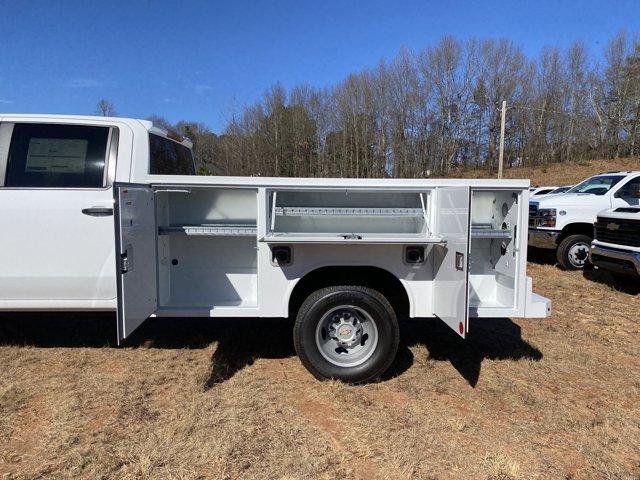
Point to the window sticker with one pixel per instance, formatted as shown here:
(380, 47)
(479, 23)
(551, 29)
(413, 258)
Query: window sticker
(56, 155)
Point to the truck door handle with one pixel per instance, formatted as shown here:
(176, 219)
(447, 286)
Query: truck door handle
(98, 211)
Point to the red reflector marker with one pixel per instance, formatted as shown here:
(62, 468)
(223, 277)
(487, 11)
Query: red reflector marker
(461, 328)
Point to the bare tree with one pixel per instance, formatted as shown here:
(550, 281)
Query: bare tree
(106, 108)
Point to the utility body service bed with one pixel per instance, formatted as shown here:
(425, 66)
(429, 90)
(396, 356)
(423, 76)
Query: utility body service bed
(149, 244)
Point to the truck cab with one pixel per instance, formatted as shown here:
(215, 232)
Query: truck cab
(564, 222)
(56, 190)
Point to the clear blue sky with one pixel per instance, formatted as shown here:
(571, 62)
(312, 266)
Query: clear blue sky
(201, 60)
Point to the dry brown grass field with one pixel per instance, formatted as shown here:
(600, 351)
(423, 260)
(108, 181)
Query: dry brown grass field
(556, 398)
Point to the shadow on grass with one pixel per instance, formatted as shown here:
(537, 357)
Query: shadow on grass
(541, 256)
(52, 330)
(625, 284)
(242, 340)
(239, 340)
(488, 338)
(622, 283)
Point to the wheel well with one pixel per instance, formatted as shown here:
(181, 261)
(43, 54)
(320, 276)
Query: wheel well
(373, 277)
(575, 229)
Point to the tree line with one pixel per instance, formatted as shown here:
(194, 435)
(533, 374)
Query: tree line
(430, 112)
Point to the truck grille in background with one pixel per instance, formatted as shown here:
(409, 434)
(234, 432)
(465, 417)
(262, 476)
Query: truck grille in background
(533, 214)
(620, 232)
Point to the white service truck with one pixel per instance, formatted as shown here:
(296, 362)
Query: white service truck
(564, 222)
(107, 214)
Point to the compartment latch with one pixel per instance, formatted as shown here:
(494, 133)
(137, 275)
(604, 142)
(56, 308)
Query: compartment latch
(125, 260)
(351, 236)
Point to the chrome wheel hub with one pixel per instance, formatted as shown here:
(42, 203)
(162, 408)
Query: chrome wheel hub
(346, 336)
(578, 254)
(345, 329)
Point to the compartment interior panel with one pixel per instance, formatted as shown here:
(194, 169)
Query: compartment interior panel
(337, 212)
(493, 258)
(208, 271)
(207, 206)
(207, 247)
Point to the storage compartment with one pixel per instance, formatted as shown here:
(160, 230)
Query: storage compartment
(349, 215)
(187, 250)
(207, 255)
(493, 257)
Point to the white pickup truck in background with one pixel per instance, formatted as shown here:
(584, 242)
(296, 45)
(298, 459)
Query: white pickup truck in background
(107, 214)
(616, 246)
(564, 222)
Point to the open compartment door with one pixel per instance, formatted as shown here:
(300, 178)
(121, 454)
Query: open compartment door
(451, 260)
(136, 257)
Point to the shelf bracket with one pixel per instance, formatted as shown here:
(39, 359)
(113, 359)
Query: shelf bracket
(424, 214)
(172, 190)
(273, 211)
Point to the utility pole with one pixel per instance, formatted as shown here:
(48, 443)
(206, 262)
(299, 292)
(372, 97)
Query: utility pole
(501, 154)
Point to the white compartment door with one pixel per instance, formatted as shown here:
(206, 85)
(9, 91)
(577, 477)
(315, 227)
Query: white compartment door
(451, 261)
(136, 257)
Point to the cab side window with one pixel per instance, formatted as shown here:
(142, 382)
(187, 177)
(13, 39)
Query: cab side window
(54, 156)
(630, 190)
(167, 157)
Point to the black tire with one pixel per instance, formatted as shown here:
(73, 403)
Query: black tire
(323, 301)
(573, 252)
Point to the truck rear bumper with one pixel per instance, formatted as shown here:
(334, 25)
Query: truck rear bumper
(536, 306)
(616, 260)
(543, 238)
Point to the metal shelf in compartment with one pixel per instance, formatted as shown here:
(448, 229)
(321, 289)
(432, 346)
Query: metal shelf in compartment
(226, 230)
(481, 231)
(346, 211)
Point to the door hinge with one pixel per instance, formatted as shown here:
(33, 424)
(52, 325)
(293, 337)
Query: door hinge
(124, 263)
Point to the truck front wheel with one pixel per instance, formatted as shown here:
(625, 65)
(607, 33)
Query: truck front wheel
(349, 333)
(573, 252)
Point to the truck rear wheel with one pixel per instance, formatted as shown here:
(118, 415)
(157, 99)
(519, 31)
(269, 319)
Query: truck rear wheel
(349, 333)
(573, 252)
